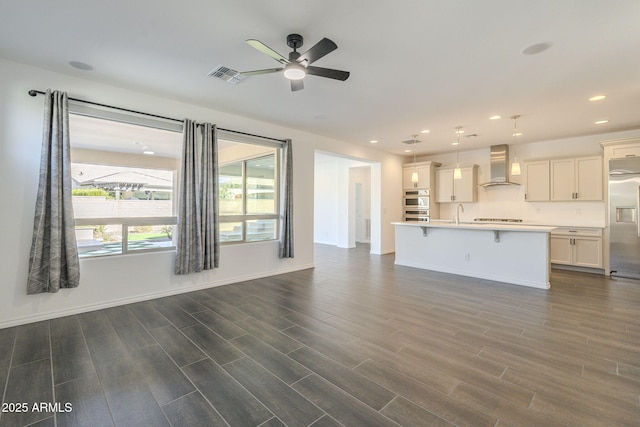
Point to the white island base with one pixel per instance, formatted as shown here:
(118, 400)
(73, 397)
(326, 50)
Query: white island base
(516, 254)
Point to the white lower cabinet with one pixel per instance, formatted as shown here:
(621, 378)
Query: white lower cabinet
(581, 247)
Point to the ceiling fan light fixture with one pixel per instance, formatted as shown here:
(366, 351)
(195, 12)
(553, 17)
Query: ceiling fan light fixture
(294, 72)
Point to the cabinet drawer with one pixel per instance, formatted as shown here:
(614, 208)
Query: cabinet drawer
(575, 231)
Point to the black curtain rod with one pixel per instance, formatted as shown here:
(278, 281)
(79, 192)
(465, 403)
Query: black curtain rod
(39, 92)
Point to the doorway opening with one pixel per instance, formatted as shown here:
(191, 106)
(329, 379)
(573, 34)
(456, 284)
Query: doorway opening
(346, 201)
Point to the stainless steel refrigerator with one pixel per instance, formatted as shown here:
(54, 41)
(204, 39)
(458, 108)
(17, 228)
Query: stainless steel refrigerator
(624, 224)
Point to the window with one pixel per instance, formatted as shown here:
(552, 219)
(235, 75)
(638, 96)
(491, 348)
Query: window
(124, 181)
(248, 188)
(125, 178)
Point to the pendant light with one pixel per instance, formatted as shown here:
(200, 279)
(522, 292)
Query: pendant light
(414, 175)
(457, 173)
(515, 166)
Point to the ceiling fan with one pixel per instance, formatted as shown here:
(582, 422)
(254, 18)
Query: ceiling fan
(298, 65)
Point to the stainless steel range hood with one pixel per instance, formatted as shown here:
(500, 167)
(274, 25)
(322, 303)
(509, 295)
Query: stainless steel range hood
(499, 166)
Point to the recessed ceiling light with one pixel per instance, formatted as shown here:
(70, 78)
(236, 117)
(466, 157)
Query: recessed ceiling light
(425, 131)
(454, 143)
(601, 122)
(407, 151)
(597, 98)
(536, 48)
(496, 117)
(517, 134)
(149, 153)
(459, 131)
(81, 66)
(374, 141)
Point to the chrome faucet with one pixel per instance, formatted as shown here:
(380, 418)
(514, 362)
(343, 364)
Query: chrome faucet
(458, 213)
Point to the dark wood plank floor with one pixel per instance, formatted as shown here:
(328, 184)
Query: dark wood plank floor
(355, 341)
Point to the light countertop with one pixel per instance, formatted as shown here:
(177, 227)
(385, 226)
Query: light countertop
(480, 226)
(564, 224)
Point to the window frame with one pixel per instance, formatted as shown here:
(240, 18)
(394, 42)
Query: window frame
(245, 217)
(126, 222)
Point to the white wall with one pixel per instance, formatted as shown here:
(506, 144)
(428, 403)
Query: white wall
(326, 195)
(122, 279)
(508, 201)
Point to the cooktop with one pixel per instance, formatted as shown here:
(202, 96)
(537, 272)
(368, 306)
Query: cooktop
(497, 220)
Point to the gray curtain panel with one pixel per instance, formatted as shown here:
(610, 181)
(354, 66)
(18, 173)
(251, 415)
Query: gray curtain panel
(53, 263)
(198, 246)
(286, 198)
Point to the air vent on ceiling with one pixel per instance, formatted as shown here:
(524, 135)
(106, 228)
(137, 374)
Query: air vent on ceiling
(227, 74)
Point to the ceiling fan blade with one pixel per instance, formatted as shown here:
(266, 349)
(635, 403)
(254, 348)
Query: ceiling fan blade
(256, 72)
(257, 44)
(318, 50)
(328, 72)
(296, 85)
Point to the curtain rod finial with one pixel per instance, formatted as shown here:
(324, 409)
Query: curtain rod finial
(33, 92)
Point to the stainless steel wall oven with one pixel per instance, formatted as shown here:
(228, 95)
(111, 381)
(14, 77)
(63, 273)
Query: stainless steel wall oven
(416, 205)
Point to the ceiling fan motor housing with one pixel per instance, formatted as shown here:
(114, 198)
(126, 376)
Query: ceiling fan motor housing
(294, 41)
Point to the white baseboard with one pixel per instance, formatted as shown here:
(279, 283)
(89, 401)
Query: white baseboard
(145, 297)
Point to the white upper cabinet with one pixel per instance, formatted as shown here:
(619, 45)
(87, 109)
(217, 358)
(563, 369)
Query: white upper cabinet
(425, 171)
(444, 179)
(464, 190)
(625, 150)
(537, 181)
(589, 178)
(562, 179)
(578, 179)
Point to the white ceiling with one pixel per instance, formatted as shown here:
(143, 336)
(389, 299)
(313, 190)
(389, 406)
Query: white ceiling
(415, 64)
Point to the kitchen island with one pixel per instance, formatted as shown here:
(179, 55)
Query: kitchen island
(516, 254)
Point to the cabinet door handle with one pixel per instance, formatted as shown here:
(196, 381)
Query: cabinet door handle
(525, 196)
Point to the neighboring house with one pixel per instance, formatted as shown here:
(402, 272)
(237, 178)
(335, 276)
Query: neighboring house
(125, 183)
